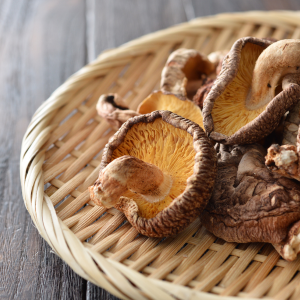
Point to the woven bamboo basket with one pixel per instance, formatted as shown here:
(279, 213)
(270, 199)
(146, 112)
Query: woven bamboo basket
(60, 158)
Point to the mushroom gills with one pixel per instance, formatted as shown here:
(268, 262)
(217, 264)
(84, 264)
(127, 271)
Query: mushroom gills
(160, 144)
(161, 101)
(231, 105)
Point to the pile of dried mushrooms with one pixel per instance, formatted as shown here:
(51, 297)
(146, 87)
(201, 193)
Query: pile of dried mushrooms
(219, 141)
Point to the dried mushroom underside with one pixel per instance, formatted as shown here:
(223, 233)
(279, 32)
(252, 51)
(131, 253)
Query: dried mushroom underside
(118, 115)
(185, 71)
(251, 204)
(248, 100)
(159, 169)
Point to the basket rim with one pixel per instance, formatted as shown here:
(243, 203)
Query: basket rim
(60, 238)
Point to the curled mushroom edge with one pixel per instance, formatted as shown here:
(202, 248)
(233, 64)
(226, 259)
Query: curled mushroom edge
(161, 191)
(246, 102)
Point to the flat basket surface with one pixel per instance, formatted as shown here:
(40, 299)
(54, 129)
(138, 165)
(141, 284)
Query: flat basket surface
(60, 158)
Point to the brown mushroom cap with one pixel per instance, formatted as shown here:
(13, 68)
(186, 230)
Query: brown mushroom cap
(180, 149)
(184, 72)
(242, 106)
(249, 203)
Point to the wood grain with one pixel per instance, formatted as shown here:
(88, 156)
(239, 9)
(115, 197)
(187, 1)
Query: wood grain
(42, 43)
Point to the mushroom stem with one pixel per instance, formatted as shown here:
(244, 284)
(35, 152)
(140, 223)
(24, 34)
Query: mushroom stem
(130, 173)
(276, 61)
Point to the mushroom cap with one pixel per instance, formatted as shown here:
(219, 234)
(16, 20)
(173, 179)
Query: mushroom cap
(249, 203)
(180, 148)
(242, 106)
(167, 101)
(185, 66)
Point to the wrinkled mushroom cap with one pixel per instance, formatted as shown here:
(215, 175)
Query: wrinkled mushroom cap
(249, 203)
(180, 149)
(185, 71)
(243, 106)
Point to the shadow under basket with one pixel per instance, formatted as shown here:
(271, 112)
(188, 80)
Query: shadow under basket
(60, 158)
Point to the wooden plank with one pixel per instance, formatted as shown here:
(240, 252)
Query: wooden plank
(117, 21)
(42, 43)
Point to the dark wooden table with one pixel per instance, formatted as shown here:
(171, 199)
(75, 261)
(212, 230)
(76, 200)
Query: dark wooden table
(42, 42)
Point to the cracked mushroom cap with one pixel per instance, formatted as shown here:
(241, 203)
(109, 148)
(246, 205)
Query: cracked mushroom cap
(159, 169)
(249, 203)
(246, 102)
(185, 71)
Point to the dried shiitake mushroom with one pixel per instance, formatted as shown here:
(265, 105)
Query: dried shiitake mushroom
(246, 102)
(284, 159)
(251, 204)
(155, 101)
(186, 70)
(202, 92)
(159, 169)
(114, 110)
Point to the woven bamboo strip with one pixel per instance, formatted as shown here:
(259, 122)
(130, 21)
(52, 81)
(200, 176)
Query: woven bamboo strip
(240, 281)
(109, 227)
(285, 276)
(128, 249)
(70, 222)
(89, 218)
(125, 239)
(68, 146)
(146, 247)
(214, 277)
(194, 270)
(176, 244)
(87, 232)
(262, 288)
(218, 260)
(110, 240)
(263, 270)
(287, 291)
(196, 253)
(242, 263)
